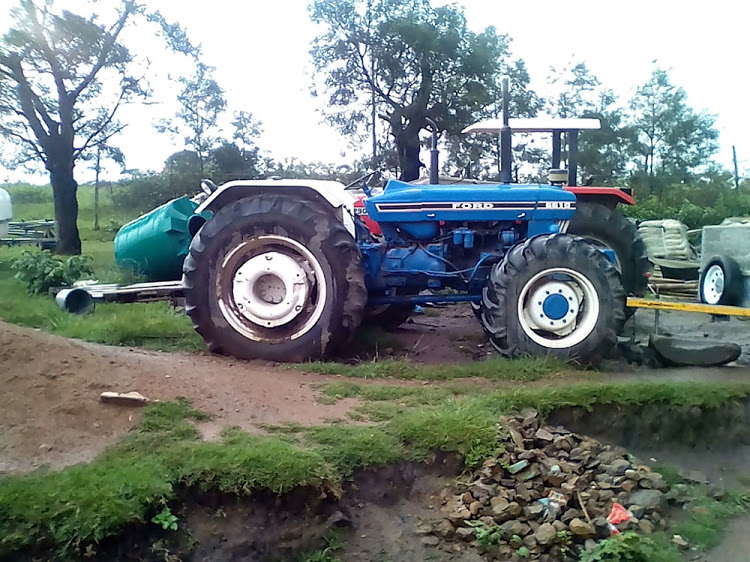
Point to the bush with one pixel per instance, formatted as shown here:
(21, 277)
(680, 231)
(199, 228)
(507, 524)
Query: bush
(29, 194)
(144, 192)
(41, 270)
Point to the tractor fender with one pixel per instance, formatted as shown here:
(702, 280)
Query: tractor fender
(607, 196)
(330, 196)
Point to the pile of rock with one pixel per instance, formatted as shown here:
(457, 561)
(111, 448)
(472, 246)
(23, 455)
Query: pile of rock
(547, 495)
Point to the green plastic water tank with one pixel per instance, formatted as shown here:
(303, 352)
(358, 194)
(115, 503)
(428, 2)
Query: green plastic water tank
(156, 244)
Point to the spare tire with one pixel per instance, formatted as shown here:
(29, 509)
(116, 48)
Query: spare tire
(608, 228)
(721, 282)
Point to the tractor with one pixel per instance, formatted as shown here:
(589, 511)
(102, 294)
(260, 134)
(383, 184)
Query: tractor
(285, 270)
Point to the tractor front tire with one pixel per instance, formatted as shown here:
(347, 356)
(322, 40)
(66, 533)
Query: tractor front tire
(270, 277)
(554, 295)
(608, 228)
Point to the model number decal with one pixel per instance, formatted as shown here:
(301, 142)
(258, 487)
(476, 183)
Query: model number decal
(360, 211)
(559, 205)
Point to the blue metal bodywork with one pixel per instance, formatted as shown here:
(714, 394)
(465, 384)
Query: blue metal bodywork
(438, 236)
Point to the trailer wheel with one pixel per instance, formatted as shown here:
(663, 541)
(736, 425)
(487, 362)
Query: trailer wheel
(608, 228)
(554, 295)
(721, 282)
(272, 278)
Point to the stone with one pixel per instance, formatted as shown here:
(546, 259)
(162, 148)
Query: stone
(339, 519)
(637, 510)
(544, 435)
(514, 509)
(607, 457)
(700, 353)
(475, 507)
(679, 541)
(515, 527)
(545, 534)
(589, 544)
(465, 533)
(528, 474)
(430, 541)
(693, 476)
(582, 529)
(645, 526)
(649, 499)
(570, 514)
(563, 443)
(518, 467)
(631, 474)
(618, 467)
(606, 495)
(533, 511)
(529, 541)
(124, 399)
(628, 485)
(559, 526)
(423, 529)
(444, 528)
(483, 492)
(467, 498)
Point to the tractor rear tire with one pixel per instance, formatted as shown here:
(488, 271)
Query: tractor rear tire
(609, 228)
(560, 281)
(273, 278)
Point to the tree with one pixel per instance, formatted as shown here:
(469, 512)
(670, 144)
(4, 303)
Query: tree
(672, 139)
(63, 78)
(576, 90)
(404, 61)
(482, 152)
(201, 102)
(603, 155)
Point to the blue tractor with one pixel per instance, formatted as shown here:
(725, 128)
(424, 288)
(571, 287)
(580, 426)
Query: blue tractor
(285, 270)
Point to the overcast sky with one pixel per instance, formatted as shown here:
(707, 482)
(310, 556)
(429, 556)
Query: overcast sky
(260, 51)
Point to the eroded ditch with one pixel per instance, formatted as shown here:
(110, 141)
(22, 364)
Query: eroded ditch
(398, 512)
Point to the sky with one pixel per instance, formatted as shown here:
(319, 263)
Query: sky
(260, 50)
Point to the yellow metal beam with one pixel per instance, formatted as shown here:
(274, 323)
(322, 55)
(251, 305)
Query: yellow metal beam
(689, 307)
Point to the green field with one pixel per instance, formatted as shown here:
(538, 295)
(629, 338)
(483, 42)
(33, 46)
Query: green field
(153, 325)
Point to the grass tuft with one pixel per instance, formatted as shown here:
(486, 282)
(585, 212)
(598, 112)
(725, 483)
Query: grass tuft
(494, 368)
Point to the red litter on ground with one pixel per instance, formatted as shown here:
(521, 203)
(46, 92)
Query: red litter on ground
(617, 516)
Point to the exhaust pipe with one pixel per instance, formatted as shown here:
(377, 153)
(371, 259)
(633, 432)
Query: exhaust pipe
(434, 176)
(506, 153)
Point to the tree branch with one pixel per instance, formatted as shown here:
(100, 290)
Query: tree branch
(114, 32)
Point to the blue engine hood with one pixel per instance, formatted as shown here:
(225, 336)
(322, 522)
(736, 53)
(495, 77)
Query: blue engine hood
(404, 202)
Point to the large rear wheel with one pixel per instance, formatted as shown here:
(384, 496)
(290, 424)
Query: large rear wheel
(608, 228)
(554, 295)
(270, 277)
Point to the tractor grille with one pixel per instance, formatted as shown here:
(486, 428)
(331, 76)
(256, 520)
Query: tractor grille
(563, 225)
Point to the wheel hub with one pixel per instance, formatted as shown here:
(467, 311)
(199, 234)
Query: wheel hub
(713, 287)
(270, 289)
(553, 307)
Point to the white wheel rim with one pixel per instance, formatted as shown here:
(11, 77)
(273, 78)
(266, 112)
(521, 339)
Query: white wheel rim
(277, 293)
(713, 284)
(558, 308)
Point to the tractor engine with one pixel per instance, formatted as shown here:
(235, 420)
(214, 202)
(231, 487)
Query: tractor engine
(449, 236)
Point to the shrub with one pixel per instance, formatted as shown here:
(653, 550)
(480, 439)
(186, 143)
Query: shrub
(42, 270)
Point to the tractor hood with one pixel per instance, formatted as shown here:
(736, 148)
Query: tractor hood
(405, 202)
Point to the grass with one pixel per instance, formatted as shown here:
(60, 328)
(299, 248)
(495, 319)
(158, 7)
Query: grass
(136, 478)
(150, 325)
(495, 368)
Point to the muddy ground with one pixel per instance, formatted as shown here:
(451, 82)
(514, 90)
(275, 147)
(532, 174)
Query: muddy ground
(50, 387)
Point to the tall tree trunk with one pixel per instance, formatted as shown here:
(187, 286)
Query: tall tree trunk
(64, 191)
(407, 146)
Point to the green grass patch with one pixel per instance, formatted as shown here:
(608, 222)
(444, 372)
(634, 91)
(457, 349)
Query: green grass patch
(350, 447)
(495, 368)
(704, 525)
(134, 480)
